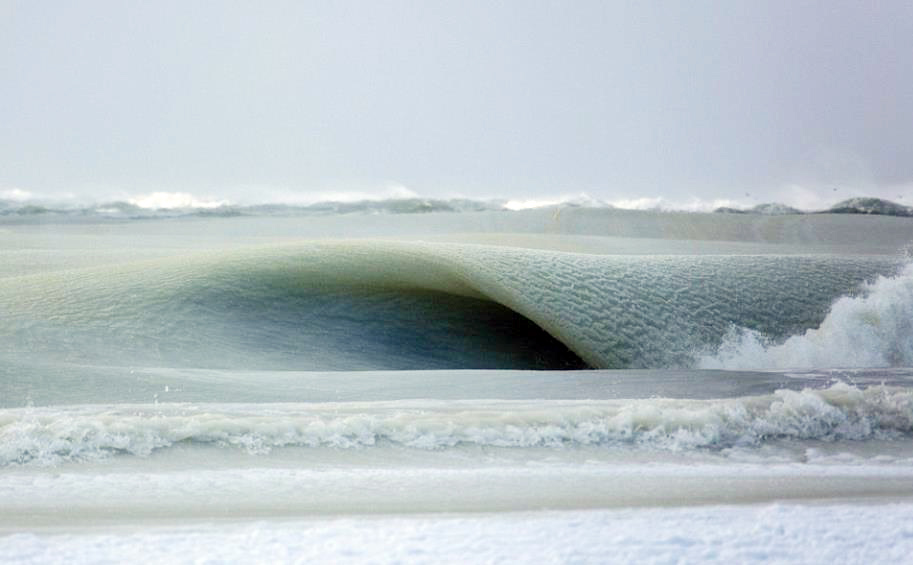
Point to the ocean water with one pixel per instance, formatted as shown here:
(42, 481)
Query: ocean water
(461, 385)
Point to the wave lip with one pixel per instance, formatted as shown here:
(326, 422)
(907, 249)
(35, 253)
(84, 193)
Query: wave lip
(50, 436)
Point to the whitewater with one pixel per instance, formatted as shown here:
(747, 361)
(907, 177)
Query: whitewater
(399, 382)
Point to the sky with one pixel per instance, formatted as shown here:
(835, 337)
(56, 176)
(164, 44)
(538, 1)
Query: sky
(679, 102)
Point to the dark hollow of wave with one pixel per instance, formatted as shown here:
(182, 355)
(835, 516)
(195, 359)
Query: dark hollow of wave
(377, 329)
(259, 326)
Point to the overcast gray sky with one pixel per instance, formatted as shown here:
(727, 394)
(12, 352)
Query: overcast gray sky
(263, 100)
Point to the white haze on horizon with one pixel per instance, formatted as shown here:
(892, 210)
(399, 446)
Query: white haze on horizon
(793, 196)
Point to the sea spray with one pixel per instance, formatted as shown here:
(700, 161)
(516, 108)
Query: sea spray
(874, 329)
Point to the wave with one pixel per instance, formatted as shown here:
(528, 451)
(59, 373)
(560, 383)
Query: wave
(870, 206)
(769, 209)
(860, 205)
(396, 305)
(48, 436)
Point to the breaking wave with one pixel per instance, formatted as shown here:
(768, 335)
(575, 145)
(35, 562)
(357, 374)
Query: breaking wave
(871, 330)
(394, 305)
(47, 436)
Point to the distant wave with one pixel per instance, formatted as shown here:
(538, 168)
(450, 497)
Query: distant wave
(873, 206)
(187, 206)
(869, 206)
(129, 210)
(770, 209)
(48, 436)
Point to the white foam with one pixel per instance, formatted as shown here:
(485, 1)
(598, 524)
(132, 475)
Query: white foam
(48, 436)
(174, 200)
(581, 199)
(871, 330)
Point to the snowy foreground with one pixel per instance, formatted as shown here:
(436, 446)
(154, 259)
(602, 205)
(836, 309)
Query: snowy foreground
(778, 533)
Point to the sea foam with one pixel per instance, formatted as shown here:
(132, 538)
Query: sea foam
(871, 330)
(48, 436)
